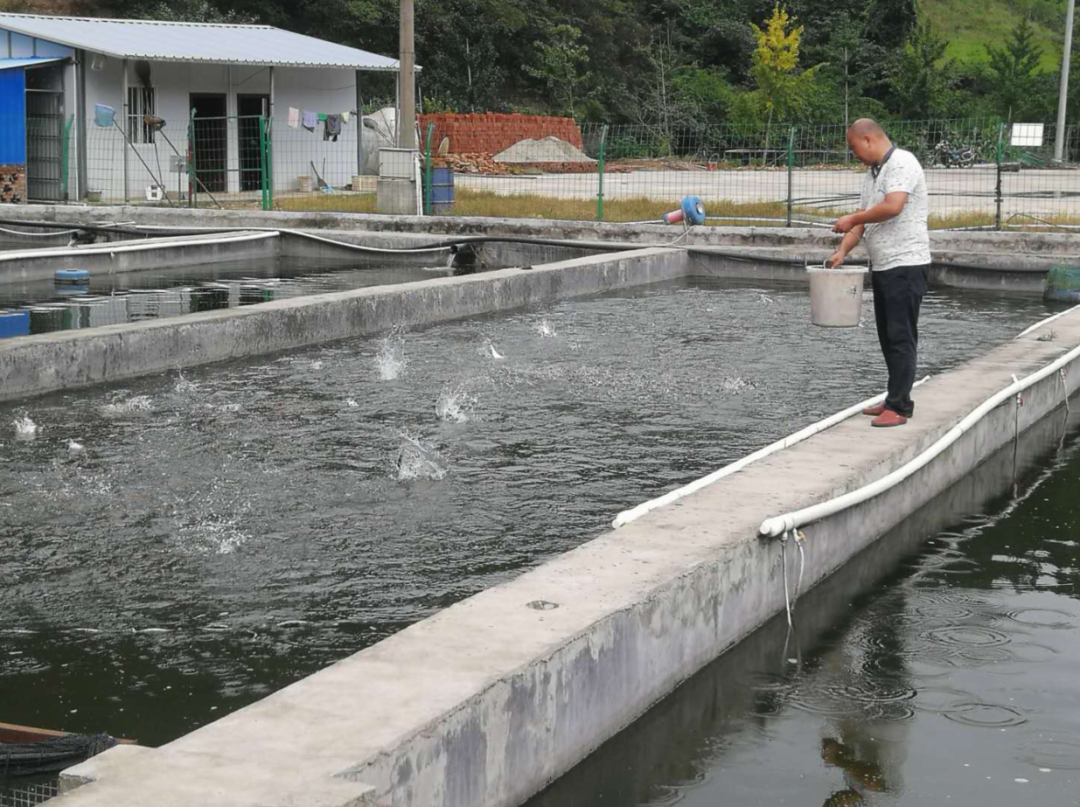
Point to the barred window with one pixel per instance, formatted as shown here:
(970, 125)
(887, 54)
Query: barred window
(140, 103)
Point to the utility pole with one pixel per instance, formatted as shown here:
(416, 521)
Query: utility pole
(846, 123)
(1063, 90)
(407, 79)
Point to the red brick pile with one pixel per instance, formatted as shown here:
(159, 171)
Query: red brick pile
(485, 164)
(492, 133)
(12, 184)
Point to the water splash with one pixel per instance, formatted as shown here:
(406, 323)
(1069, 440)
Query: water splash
(545, 329)
(140, 403)
(214, 536)
(25, 428)
(182, 385)
(737, 384)
(417, 459)
(74, 448)
(390, 361)
(494, 353)
(349, 402)
(453, 405)
(316, 365)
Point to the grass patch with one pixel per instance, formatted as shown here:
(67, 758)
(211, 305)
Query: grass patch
(971, 24)
(488, 203)
(328, 203)
(722, 213)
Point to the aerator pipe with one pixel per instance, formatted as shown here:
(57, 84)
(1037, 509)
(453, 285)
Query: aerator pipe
(626, 516)
(778, 525)
(107, 249)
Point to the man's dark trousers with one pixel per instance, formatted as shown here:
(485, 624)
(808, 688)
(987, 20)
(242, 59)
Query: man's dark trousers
(898, 294)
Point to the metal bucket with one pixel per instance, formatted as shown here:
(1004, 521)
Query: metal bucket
(836, 296)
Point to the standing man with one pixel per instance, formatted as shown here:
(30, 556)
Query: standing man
(892, 216)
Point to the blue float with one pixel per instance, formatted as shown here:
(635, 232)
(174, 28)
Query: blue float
(80, 276)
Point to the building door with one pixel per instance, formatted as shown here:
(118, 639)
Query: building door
(249, 108)
(210, 149)
(44, 135)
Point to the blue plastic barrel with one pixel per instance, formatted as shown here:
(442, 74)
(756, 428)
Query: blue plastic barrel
(442, 191)
(14, 323)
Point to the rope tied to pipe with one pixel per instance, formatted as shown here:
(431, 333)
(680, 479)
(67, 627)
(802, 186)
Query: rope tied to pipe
(789, 602)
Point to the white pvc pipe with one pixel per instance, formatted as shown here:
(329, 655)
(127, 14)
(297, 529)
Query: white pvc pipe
(142, 246)
(626, 516)
(778, 525)
(1047, 321)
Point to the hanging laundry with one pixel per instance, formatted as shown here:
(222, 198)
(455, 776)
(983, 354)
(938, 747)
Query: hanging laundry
(333, 127)
(309, 120)
(294, 117)
(322, 117)
(345, 118)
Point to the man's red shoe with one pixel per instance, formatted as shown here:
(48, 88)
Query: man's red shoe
(888, 418)
(874, 411)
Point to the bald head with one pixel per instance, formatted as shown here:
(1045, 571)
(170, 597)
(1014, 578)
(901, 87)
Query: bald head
(865, 127)
(868, 141)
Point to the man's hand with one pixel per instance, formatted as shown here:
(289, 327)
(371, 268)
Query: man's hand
(845, 224)
(836, 259)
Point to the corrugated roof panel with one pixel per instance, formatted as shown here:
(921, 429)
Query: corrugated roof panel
(195, 42)
(29, 61)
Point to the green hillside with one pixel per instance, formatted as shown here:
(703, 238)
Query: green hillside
(969, 24)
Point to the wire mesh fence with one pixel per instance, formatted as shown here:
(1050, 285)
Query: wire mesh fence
(978, 174)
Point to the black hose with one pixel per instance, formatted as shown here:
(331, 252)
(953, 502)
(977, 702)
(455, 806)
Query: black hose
(100, 228)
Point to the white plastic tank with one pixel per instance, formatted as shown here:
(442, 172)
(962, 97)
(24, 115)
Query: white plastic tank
(836, 296)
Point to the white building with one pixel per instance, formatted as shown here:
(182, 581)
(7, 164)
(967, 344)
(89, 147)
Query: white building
(209, 83)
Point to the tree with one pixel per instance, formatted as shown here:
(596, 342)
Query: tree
(561, 60)
(1015, 72)
(921, 80)
(783, 91)
(660, 107)
(853, 65)
(892, 22)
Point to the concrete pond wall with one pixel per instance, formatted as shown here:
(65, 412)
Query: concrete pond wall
(486, 702)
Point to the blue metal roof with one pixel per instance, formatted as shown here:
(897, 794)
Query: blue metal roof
(34, 61)
(208, 43)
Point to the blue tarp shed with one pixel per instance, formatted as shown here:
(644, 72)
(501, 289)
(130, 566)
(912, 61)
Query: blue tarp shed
(13, 107)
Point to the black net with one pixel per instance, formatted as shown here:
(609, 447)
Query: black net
(49, 756)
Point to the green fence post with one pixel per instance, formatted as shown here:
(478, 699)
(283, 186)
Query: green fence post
(269, 163)
(427, 169)
(65, 158)
(262, 162)
(600, 174)
(790, 172)
(998, 195)
(193, 185)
